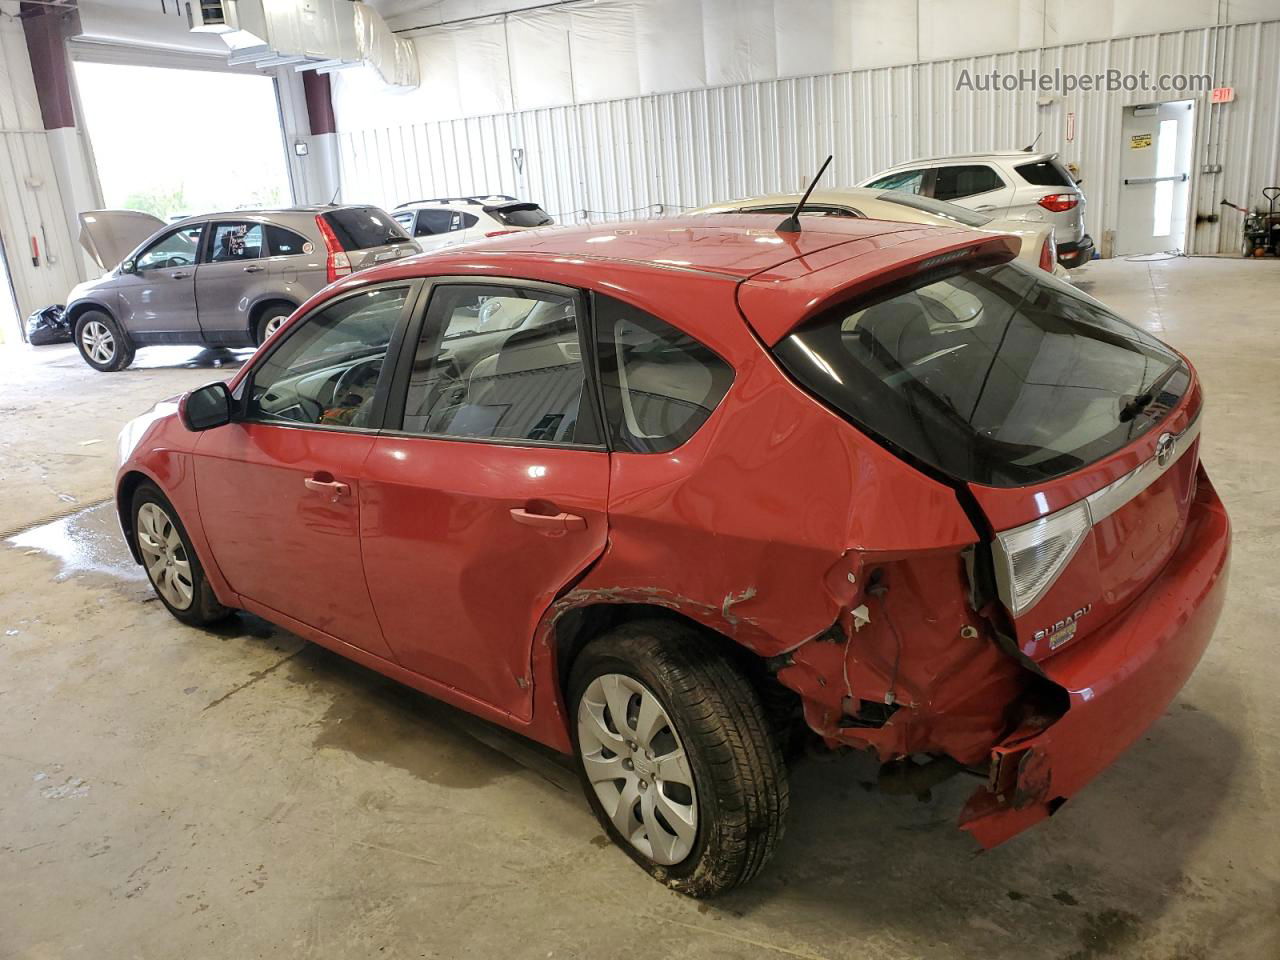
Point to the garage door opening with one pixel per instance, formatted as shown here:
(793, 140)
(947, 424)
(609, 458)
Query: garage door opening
(175, 142)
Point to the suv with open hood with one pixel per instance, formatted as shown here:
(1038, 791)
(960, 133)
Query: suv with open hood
(221, 279)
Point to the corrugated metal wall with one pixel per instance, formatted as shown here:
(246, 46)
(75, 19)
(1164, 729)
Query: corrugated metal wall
(657, 154)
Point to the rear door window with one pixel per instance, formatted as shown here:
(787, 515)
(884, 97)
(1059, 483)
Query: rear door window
(993, 375)
(497, 362)
(359, 228)
(659, 384)
(955, 183)
(432, 222)
(236, 241)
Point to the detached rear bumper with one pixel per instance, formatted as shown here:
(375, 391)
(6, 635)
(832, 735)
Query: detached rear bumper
(1119, 683)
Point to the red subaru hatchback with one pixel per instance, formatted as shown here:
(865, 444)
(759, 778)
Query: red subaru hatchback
(663, 494)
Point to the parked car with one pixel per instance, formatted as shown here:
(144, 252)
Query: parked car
(1011, 184)
(221, 279)
(446, 221)
(1038, 248)
(663, 494)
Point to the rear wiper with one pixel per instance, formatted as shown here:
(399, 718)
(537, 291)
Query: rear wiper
(1144, 400)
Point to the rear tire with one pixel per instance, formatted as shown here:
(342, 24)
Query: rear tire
(272, 316)
(102, 343)
(170, 561)
(693, 746)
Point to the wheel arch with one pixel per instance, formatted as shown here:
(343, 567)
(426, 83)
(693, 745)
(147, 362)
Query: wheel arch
(259, 307)
(125, 489)
(78, 309)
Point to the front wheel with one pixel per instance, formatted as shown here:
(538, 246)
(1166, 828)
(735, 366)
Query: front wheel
(676, 756)
(171, 564)
(102, 344)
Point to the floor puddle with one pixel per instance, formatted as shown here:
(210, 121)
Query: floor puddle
(88, 541)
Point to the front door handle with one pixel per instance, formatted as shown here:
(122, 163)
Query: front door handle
(332, 487)
(179, 275)
(550, 522)
(253, 268)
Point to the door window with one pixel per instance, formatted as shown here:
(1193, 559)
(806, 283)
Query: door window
(909, 181)
(660, 385)
(499, 362)
(235, 241)
(431, 222)
(175, 249)
(954, 183)
(328, 370)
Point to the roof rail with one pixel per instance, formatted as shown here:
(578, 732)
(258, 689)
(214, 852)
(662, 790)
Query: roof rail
(478, 200)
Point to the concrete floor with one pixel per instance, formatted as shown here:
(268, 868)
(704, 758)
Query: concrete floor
(167, 792)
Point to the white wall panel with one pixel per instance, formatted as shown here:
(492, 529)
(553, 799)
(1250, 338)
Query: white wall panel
(541, 74)
(669, 46)
(631, 156)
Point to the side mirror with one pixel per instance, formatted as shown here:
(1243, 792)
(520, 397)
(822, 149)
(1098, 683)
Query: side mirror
(206, 408)
(128, 267)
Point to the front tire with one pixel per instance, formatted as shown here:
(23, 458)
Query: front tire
(102, 344)
(170, 561)
(676, 756)
(272, 317)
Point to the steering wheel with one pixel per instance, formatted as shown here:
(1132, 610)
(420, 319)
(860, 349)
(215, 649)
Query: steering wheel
(358, 379)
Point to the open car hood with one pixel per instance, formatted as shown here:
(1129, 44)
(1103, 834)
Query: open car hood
(111, 235)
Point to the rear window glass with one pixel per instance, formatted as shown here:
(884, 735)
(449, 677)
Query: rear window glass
(521, 215)
(991, 375)
(284, 243)
(938, 207)
(359, 228)
(1044, 173)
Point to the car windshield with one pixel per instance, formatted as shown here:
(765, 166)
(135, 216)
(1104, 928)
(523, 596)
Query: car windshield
(941, 208)
(993, 375)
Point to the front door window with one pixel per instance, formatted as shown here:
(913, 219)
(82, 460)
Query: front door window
(176, 249)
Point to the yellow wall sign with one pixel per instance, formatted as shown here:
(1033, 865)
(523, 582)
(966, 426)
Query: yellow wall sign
(1139, 140)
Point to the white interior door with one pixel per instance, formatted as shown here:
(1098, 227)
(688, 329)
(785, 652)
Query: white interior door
(1155, 177)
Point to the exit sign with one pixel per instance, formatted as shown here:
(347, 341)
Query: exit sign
(1222, 95)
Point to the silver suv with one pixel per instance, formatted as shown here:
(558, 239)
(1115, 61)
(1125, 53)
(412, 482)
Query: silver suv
(221, 279)
(1009, 184)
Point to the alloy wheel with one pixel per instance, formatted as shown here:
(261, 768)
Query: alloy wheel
(165, 556)
(273, 325)
(638, 767)
(98, 342)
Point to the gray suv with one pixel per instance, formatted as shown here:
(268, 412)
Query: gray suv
(221, 279)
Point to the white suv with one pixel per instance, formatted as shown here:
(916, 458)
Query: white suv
(1009, 184)
(446, 221)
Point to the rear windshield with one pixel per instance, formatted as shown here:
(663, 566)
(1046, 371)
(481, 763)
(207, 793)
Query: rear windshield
(359, 228)
(941, 208)
(991, 375)
(521, 215)
(1045, 173)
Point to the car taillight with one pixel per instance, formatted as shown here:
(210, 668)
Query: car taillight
(1029, 558)
(499, 233)
(1048, 253)
(1059, 202)
(338, 264)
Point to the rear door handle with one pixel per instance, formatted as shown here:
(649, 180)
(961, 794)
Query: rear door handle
(253, 268)
(331, 487)
(549, 522)
(179, 275)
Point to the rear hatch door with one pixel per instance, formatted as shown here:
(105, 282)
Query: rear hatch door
(1074, 432)
(368, 235)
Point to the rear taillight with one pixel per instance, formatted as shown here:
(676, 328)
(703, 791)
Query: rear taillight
(1059, 202)
(1048, 253)
(338, 264)
(1029, 558)
(500, 233)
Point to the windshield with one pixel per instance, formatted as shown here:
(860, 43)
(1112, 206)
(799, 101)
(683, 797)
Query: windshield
(941, 208)
(992, 375)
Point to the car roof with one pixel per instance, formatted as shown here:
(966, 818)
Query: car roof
(736, 246)
(266, 212)
(1022, 156)
(871, 202)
